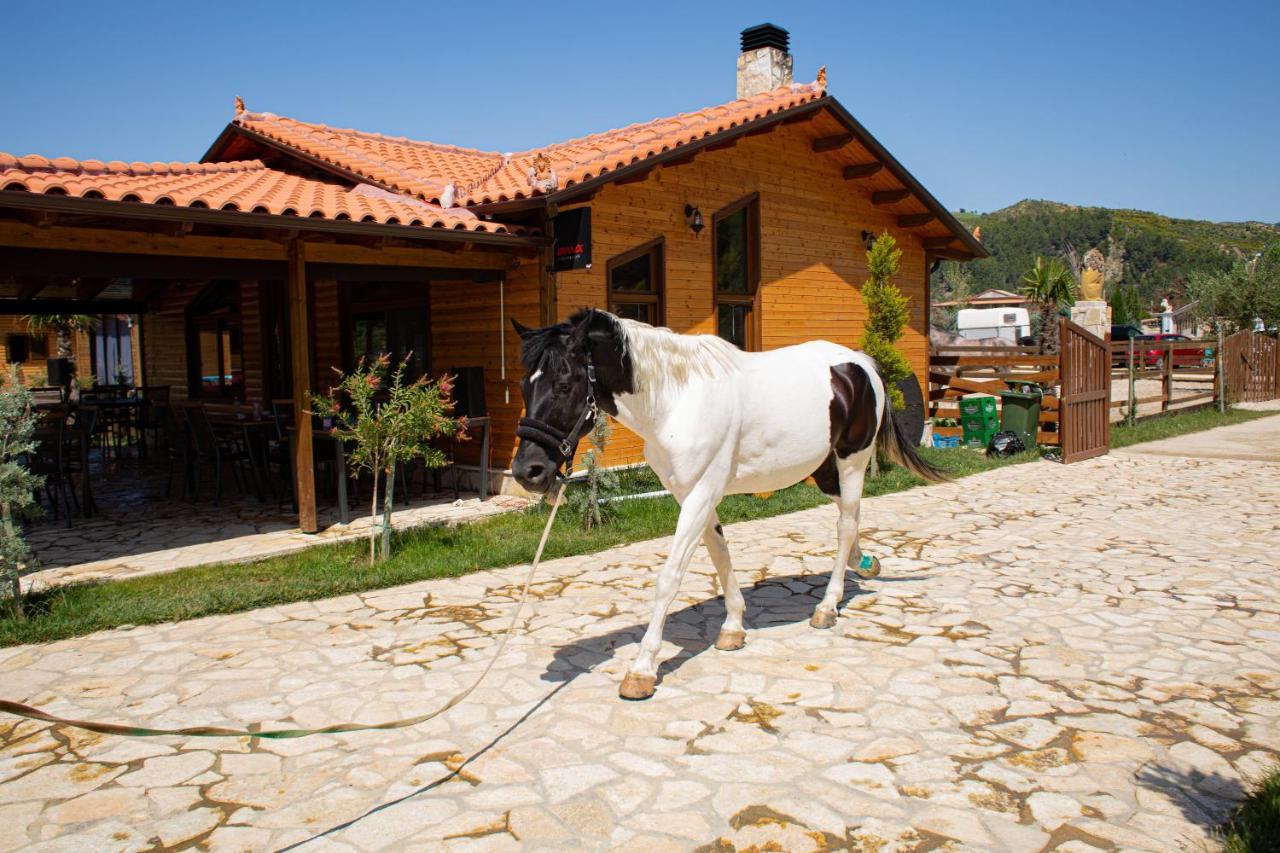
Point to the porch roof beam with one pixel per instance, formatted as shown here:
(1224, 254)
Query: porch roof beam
(115, 241)
(71, 306)
(103, 264)
(258, 222)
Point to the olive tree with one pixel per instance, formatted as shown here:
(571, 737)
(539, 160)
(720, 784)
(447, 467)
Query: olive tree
(17, 485)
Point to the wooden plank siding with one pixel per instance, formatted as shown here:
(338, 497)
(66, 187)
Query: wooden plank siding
(34, 371)
(466, 331)
(813, 260)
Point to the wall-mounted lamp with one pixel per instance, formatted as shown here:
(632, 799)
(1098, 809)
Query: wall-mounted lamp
(868, 239)
(694, 217)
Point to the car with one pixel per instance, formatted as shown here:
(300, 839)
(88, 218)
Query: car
(1121, 333)
(1182, 356)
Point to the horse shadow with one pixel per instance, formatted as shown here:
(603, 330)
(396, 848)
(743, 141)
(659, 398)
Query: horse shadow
(770, 603)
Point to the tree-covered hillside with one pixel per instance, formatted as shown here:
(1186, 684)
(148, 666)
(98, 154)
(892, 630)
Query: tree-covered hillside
(1152, 253)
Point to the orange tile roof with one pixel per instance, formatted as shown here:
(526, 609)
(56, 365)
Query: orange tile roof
(449, 175)
(247, 186)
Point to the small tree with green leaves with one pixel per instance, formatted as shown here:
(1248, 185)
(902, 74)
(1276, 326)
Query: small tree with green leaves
(1126, 305)
(1050, 285)
(388, 423)
(17, 486)
(1237, 298)
(600, 483)
(887, 315)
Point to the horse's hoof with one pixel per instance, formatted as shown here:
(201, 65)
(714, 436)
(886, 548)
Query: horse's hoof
(638, 686)
(866, 568)
(823, 619)
(731, 641)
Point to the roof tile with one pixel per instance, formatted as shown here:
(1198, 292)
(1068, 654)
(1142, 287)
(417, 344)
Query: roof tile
(426, 169)
(247, 186)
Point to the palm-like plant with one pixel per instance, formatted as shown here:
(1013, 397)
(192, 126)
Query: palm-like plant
(65, 325)
(1050, 285)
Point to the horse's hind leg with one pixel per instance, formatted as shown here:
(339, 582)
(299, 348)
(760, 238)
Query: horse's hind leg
(852, 472)
(732, 634)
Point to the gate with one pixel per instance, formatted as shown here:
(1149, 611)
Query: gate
(1250, 367)
(1084, 420)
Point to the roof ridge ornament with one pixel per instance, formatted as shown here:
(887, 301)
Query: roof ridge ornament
(239, 106)
(822, 77)
(541, 176)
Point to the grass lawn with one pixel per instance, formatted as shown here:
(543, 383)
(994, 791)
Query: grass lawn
(330, 570)
(1255, 826)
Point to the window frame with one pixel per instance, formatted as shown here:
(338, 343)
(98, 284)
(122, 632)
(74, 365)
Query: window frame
(656, 250)
(751, 299)
(198, 321)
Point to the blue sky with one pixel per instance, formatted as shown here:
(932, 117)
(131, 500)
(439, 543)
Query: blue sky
(1169, 106)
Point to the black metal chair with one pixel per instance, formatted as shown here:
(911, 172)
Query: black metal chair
(207, 449)
(48, 461)
(177, 448)
(149, 397)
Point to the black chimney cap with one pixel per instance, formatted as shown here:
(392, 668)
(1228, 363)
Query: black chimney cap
(765, 35)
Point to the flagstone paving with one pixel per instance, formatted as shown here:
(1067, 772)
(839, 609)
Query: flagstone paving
(1073, 658)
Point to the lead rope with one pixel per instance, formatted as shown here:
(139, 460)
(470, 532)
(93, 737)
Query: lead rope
(20, 710)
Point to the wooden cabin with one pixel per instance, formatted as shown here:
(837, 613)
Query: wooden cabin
(292, 247)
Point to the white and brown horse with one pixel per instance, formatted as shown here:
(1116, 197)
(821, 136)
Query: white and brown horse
(715, 421)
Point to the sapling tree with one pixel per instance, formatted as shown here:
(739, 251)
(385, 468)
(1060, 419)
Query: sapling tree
(600, 482)
(17, 485)
(887, 315)
(388, 421)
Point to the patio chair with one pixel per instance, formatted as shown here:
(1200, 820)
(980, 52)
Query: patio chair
(177, 448)
(48, 461)
(48, 395)
(83, 422)
(150, 397)
(208, 449)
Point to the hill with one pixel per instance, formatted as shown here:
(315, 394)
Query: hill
(1146, 251)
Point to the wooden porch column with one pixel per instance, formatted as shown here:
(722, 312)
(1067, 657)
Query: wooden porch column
(300, 345)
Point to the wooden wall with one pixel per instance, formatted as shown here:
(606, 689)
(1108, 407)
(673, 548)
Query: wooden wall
(813, 260)
(466, 330)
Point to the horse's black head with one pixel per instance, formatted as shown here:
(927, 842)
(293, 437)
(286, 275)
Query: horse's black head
(558, 394)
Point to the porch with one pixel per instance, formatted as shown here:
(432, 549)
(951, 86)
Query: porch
(240, 312)
(139, 529)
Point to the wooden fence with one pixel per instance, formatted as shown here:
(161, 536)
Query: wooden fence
(1187, 371)
(1251, 367)
(1075, 413)
(959, 371)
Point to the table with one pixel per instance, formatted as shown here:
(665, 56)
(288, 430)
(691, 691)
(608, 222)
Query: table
(339, 452)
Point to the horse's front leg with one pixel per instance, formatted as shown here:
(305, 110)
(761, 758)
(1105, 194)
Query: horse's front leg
(695, 512)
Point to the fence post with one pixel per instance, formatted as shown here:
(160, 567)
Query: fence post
(1220, 359)
(1167, 379)
(1133, 392)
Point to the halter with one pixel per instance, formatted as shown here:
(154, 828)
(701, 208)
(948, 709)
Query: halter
(562, 446)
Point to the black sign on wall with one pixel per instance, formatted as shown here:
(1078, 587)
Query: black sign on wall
(573, 240)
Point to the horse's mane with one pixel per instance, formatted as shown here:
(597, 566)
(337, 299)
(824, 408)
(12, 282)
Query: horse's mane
(661, 357)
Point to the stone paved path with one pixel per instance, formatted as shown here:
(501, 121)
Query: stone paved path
(1073, 658)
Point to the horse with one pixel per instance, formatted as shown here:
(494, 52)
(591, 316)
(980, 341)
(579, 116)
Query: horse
(715, 421)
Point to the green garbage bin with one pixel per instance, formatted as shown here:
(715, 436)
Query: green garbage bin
(1020, 411)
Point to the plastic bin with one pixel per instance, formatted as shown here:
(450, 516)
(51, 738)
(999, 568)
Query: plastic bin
(1020, 414)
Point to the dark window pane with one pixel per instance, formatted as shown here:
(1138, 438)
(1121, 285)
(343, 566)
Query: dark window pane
(633, 276)
(731, 323)
(731, 253)
(634, 311)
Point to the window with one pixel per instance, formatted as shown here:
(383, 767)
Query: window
(215, 342)
(19, 349)
(636, 284)
(735, 238)
(392, 318)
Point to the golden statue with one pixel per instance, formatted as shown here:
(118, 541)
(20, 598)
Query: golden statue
(1091, 276)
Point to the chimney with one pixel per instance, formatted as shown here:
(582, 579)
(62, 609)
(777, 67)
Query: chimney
(765, 63)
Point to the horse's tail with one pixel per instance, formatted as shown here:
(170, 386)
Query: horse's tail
(891, 441)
